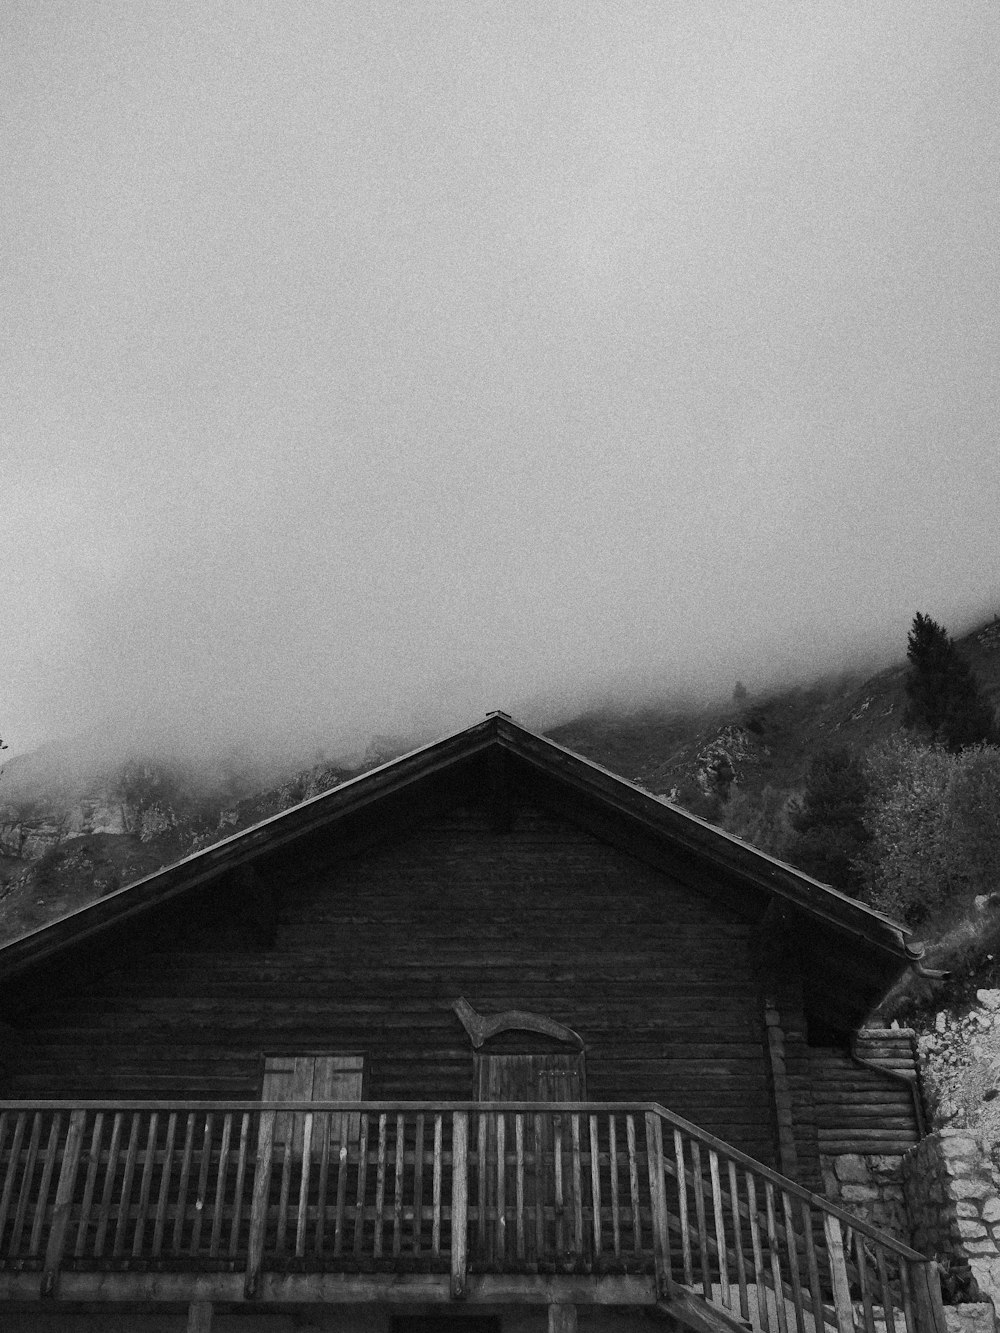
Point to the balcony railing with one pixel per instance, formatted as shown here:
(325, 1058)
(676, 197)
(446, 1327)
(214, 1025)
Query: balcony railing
(456, 1189)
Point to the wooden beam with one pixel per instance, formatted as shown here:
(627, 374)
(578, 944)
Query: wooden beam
(500, 794)
(691, 1309)
(787, 1152)
(404, 1289)
(199, 1317)
(459, 1202)
(562, 1319)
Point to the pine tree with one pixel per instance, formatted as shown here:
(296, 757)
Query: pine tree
(829, 819)
(943, 692)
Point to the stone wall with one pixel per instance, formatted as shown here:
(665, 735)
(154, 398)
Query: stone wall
(952, 1194)
(871, 1187)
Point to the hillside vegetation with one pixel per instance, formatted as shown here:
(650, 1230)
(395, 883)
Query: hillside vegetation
(837, 776)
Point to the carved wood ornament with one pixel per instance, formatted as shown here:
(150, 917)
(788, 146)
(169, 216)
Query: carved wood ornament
(481, 1027)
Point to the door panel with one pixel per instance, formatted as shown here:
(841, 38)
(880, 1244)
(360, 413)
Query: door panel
(548, 1182)
(555, 1077)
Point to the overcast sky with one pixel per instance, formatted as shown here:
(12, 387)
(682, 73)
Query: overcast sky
(369, 366)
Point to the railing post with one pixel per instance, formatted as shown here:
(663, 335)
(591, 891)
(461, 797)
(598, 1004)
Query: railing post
(258, 1206)
(63, 1202)
(926, 1278)
(838, 1273)
(459, 1200)
(658, 1205)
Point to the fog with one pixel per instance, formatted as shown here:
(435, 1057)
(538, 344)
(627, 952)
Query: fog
(366, 367)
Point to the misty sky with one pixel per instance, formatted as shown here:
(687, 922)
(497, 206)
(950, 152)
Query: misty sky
(366, 367)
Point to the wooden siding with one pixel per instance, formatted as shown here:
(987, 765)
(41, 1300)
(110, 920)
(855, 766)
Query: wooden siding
(369, 954)
(859, 1109)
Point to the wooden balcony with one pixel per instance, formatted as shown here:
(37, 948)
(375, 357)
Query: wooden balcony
(417, 1202)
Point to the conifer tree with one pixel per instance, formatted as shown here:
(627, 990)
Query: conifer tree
(829, 819)
(943, 692)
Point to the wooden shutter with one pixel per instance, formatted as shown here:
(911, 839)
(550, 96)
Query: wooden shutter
(314, 1078)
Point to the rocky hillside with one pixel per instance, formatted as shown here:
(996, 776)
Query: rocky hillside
(766, 738)
(65, 843)
(71, 830)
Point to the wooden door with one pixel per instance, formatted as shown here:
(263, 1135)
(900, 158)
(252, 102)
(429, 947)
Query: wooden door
(557, 1076)
(546, 1228)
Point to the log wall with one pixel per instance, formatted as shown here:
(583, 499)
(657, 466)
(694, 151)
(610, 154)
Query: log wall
(368, 955)
(861, 1110)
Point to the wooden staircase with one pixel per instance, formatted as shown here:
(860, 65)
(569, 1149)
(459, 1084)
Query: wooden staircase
(499, 1202)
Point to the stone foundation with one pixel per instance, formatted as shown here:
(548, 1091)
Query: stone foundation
(871, 1187)
(953, 1200)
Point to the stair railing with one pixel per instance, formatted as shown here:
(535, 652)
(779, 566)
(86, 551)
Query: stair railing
(789, 1261)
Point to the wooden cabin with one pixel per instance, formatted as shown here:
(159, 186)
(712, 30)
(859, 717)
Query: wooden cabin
(486, 1036)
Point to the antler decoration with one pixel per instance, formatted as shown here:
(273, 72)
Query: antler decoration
(481, 1027)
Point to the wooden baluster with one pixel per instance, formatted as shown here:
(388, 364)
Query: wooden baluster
(595, 1187)
(145, 1184)
(557, 1170)
(886, 1291)
(221, 1179)
(541, 1186)
(720, 1233)
(616, 1226)
(125, 1195)
(838, 1275)
(418, 1182)
(928, 1306)
(380, 1187)
(906, 1293)
(861, 1260)
(203, 1168)
(459, 1201)
(438, 1167)
(737, 1225)
(302, 1212)
(241, 1173)
(13, 1161)
(579, 1243)
(772, 1245)
(699, 1207)
(180, 1214)
(259, 1202)
(682, 1208)
(764, 1313)
(520, 1236)
(482, 1177)
(89, 1184)
(343, 1168)
(324, 1127)
(658, 1205)
(289, 1125)
(359, 1212)
(164, 1196)
(812, 1267)
(27, 1178)
(500, 1252)
(44, 1185)
(633, 1183)
(397, 1197)
(63, 1201)
(792, 1252)
(110, 1172)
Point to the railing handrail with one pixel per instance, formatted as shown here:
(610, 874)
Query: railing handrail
(687, 1127)
(789, 1186)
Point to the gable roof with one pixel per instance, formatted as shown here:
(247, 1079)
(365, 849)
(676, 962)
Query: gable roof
(489, 760)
